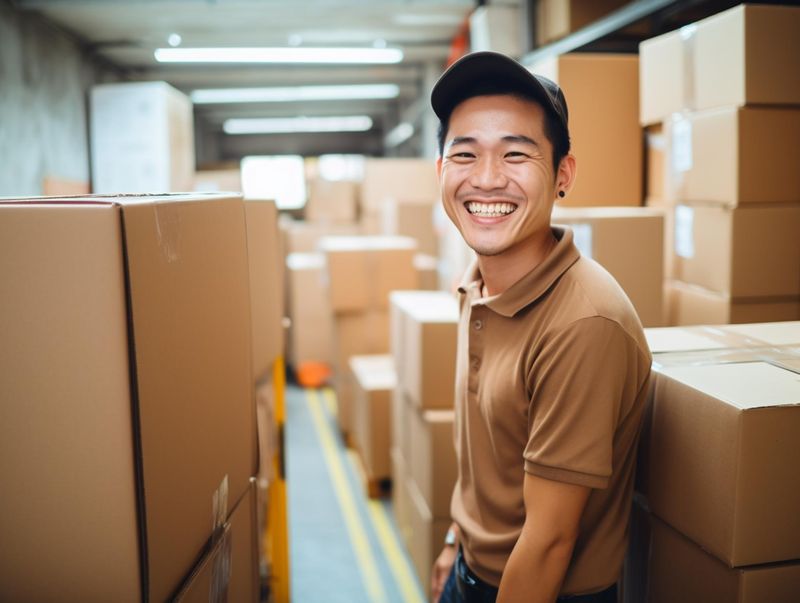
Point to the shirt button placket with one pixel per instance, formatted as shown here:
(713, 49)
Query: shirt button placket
(475, 346)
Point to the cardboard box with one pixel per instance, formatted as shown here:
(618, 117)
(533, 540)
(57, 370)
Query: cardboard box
(425, 328)
(267, 293)
(127, 390)
(743, 56)
(230, 568)
(400, 423)
(310, 312)
(411, 219)
(426, 535)
(142, 138)
(655, 190)
(218, 180)
(693, 305)
(628, 242)
(735, 156)
(374, 380)
(303, 237)
(431, 456)
(742, 252)
(361, 271)
(268, 437)
(400, 501)
(496, 27)
(608, 149)
(558, 18)
(722, 448)
(332, 202)
(427, 267)
(396, 178)
(355, 335)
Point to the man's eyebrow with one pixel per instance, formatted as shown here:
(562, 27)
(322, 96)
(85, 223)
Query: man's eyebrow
(520, 139)
(462, 140)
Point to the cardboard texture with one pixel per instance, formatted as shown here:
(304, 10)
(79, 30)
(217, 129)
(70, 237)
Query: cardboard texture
(267, 431)
(693, 305)
(708, 338)
(309, 309)
(374, 379)
(426, 534)
(142, 138)
(411, 219)
(427, 267)
(750, 252)
(400, 502)
(361, 271)
(664, 566)
(424, 331)
(742, 56)
(230, 569)
(721, 450)
(303, 237)
(431, 457)
(735, 156)
(655, 189)
(558, 18)
(608, 150)
(407, 179)
(137, 310)
(266, 285)
(628, 242)
(332, 202)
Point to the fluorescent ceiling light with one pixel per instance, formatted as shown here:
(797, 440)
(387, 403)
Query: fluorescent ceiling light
(279, 55)
(399, 134)
(432, 19)
(295, 94)
(291, 125)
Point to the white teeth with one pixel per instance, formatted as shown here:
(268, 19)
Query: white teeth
(490, 210)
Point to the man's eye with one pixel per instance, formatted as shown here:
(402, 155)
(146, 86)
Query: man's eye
(516, 154)
(462, 155)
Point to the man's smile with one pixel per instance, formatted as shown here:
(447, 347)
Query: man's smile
(483, 209)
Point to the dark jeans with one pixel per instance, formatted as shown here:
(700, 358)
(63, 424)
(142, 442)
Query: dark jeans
(465, 587)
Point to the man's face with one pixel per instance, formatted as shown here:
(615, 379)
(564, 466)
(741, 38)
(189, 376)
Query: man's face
(496, 174)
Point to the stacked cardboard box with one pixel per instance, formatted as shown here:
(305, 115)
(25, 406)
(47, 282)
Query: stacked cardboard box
(300, 236)
(360, 272)
(608, 149)
(142, 138)
(424, 330)
(411, 219)
(725, 93)
(332, 202)
(717, 475)
(129, 398)
(558, 18)
(374, 379)
(628, 242)
(309, 310)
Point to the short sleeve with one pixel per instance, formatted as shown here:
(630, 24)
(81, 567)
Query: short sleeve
(577, 383)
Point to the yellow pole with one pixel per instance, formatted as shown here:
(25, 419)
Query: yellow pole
(277, 534)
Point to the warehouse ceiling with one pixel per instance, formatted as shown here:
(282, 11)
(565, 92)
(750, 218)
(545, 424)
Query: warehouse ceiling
(126, 33)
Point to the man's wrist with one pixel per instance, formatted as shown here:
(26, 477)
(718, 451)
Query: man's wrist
(450, 538)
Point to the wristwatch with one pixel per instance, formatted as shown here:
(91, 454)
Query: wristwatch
(450, 538)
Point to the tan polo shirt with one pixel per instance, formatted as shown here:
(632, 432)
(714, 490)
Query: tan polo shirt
(551, 379)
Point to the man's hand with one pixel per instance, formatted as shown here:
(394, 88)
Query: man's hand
(441, 571)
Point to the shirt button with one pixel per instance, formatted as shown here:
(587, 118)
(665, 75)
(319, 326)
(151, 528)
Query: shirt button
(477, 325)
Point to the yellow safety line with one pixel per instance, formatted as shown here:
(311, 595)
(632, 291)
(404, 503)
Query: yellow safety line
(330, 402)
(347, 503)
(397, 561)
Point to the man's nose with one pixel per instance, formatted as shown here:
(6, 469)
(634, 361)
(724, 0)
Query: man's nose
(488, 174)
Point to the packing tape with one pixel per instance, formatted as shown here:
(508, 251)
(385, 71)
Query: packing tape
(221, 569)
(219, 506)
(168, 229)
(688, 33)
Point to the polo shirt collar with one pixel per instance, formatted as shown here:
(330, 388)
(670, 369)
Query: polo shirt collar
(531, 286)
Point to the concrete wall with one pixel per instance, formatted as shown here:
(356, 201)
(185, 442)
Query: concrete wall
(44, 79)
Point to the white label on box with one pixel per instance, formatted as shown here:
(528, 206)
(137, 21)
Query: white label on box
(684, 231)
(681, 144)
(582, 236)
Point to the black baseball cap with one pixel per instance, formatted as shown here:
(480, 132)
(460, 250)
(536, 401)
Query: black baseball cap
(487, 70)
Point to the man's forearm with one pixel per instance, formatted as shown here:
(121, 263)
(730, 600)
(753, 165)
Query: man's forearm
(535, 570)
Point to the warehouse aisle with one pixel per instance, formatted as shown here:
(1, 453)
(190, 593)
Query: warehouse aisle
(343, 546)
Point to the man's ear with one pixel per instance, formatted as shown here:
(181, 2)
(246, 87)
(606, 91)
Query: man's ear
(567, 172)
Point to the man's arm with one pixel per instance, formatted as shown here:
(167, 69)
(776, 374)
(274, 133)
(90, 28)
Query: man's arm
(443, 564)
(538, 563)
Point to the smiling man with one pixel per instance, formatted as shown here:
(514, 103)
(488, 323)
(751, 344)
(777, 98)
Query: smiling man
(552, 368)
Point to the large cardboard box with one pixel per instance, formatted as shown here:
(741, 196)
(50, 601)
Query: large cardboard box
(267, 293)
(374, 380)
(332, 201)
(142, 138)
(408, 179)
(426, 534)
(748, 55)
(303, 237)
(692, 305)
(735, 156)
(310, 312)
(128, 414)
(229, 571)
(361, 271)
(655, 189)
(424, 332)
(558, 18)
(608, 149)
(427, 267)
(412, 219)
(722, 448)
(751, 252)
(431, 456)
(629, 243)
(664, 566)
(400, 506)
